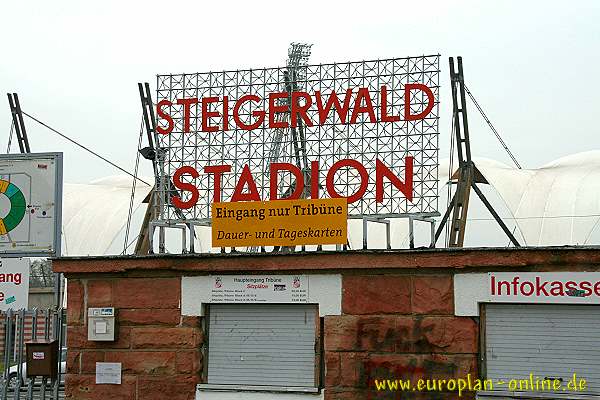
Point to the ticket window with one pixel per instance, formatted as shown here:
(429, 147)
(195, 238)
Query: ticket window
(263, 345)
(551, 341)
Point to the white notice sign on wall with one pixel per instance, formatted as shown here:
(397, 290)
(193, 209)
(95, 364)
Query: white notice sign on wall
(108, 373)
(259, 289)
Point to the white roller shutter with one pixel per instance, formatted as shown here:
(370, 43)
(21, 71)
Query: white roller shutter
(548, 340)
(262, 344)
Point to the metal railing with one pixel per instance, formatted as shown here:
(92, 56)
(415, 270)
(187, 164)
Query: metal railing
(18, 327)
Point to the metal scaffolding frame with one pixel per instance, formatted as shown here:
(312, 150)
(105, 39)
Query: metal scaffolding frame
(363, 141)
(468, 175)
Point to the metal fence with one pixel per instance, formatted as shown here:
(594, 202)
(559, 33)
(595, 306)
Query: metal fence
(18, 327)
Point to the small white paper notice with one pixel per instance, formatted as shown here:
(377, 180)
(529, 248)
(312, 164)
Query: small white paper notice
(100, 327)
(108, 373)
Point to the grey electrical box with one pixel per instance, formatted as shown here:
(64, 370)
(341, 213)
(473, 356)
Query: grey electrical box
(102, 324)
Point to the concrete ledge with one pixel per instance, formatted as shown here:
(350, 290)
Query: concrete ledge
(204, 393)
(479, 258)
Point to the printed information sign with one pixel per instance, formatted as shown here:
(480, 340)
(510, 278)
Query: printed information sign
(14, 283)
(108, 373)
(280, 223)
(544, 287)
(30, 204)
(259, 289)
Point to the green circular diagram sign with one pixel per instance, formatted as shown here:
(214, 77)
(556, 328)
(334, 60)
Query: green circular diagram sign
(17, 209)
(30, 204)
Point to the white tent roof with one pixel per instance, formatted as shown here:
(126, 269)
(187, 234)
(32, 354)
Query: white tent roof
(95, 215)
(557, 204)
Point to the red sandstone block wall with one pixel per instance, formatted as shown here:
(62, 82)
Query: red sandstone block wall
(392, 326)
(158, 348)
(396, 327)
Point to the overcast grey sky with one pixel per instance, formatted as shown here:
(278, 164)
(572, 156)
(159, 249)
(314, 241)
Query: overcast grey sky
(533, 65)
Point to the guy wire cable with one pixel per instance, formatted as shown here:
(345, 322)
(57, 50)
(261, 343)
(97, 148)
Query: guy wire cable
(133, 187)
(85, 148)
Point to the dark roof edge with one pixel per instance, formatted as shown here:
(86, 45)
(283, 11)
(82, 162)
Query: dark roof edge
(417, 251)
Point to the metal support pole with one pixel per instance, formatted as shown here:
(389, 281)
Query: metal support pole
(47, 314)
(8, 329)
(30, 384)
(13, 112)
(43, 390)
(411, 233)
(388, 238)
(149, 123)
(60, 334)
(162, 226)
(192, 235)
(162, 185)
(34, 319)
(439, 230)
(161, 240)
(184, 240)
(18, 123)
(460, 204)
(466, 172)
(58, 289)
(19, 358)
(388, 234)
(460, 207)
(21, 124)
(31, 381)
(496, 216)
(365, 239)
(150, 238)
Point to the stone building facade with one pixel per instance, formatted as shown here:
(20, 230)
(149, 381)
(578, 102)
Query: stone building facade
(396, 318)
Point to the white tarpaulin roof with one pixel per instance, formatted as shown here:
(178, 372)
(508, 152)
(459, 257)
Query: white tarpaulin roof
(557, 204)
(95, 215)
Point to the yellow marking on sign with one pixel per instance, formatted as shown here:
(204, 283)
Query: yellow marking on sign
(2, 227)
(3, 185)
(280, 223)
